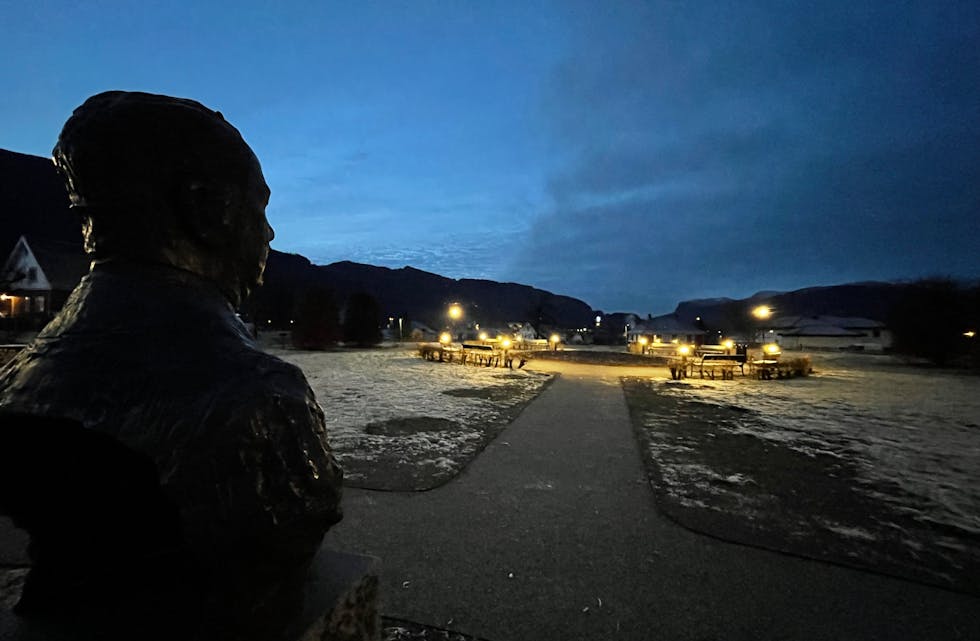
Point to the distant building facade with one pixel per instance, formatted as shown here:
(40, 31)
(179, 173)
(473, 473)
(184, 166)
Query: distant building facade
(829, 333)
(668, 328)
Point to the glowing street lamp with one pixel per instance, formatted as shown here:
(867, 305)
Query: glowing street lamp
(683, 350)
(445, 338)
(554, 339)
(455, 312)
(762, 312)
(483, 336)
(970, 334)
(771, 349)
(505, 343)
(728, 344)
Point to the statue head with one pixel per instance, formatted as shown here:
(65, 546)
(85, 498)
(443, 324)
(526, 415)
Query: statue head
(166, 180)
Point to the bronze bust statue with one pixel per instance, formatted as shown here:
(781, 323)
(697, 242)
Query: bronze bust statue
(148, 351)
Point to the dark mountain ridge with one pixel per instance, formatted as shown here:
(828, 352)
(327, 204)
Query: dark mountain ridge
(872, 300)
(33, 203)
(424, 296)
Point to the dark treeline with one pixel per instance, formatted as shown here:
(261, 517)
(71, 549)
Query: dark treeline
(314, 317)
(936, 319)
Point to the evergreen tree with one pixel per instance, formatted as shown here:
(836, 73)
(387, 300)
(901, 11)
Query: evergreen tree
(362, 320)
(315, 325)
(931, 320)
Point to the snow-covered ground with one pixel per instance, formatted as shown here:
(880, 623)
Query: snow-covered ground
(887, 457)
(451, 410)
(918, 428)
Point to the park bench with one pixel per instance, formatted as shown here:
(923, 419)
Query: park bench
(724, 364)
(440, 352)
(481, 354)
(680, 367)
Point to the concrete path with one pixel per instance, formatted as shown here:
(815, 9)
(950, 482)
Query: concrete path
(552, 533)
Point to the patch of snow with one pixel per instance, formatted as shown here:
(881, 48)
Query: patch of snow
(358, 387)
(915, 428)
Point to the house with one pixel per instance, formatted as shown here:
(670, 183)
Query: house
(829, 332)
(668, 328)
(37, 277)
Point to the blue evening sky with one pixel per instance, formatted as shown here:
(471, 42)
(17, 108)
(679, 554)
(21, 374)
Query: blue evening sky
(632, 154)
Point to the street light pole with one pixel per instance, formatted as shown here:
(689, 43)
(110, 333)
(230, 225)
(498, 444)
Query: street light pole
(455, 313)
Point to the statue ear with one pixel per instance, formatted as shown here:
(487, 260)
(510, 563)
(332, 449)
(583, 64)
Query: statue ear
(204, 211)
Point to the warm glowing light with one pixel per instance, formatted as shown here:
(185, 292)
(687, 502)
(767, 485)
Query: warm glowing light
(643, 340)
(970, 334)
(4, 297)
(761, 312)
(483, 336)
(675, 341)
(554, 338)
(771, 348)
(455, 311)
(729, 344)
(505, 343)
(444, 338)
(683, 350)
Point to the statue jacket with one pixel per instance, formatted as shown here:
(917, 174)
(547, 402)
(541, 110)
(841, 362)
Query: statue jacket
(156, 358)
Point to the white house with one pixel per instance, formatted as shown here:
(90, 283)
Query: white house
(37, 277)
(830, 332)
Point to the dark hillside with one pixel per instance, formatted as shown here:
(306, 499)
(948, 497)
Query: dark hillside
(33, 202)
(424, 296)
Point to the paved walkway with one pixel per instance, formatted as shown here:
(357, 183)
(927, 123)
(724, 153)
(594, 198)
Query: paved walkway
(552, 533)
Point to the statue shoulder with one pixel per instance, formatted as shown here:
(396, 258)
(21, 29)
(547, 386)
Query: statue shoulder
(272, 369)
(275, 389)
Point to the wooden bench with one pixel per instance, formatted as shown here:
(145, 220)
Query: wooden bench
(680, 367)
(765, 369)
(481, 354)
(440, 352)
(725, 364)
(713, 367)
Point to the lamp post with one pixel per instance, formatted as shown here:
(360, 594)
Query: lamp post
(555, 339)
(761, 313)
(455, 313)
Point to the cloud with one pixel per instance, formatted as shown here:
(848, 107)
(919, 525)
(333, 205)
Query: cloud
(727, 149)
(450, 254)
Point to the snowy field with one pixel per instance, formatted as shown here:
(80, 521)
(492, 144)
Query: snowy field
(398, 422)
(870, 453)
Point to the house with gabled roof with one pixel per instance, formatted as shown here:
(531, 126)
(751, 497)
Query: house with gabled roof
(37, 277)
(667, 329)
